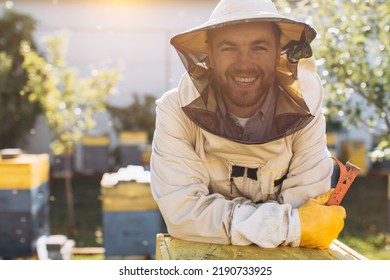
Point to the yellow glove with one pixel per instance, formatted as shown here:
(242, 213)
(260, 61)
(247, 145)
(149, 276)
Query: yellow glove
(320, 224)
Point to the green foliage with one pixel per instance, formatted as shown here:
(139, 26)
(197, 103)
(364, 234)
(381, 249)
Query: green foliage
(69, 101)
(17, 114)
(138, 116)
(5, 64)
(382, 150)
(353, 54)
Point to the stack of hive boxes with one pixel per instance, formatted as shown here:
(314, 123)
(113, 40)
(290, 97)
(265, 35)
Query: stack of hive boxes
(95, 154)
(356, 153)
(24, 204)
(131, 218)
(131, 147)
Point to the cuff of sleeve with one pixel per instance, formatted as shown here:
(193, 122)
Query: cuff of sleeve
(241, 213)
(294, 230)
(269, 225)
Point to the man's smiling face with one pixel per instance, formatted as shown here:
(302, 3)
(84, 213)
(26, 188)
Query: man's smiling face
(244, 59)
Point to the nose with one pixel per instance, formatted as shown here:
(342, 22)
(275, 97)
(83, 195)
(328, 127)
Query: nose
(244, 59)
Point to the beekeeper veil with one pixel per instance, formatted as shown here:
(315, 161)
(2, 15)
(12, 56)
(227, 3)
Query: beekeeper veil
(291, 111)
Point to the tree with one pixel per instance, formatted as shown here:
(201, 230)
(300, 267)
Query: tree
(353, 55)
(17, 114)
(139, 115)
(68, 101)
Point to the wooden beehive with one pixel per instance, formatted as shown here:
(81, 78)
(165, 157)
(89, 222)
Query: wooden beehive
(169, 248)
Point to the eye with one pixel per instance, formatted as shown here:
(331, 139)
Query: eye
(227, 49)
(260, 48)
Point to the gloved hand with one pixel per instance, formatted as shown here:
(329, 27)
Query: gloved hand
(320, 224)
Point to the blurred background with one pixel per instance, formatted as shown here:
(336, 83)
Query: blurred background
(78, 82)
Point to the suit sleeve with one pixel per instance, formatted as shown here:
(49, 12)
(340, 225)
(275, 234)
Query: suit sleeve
(311, 167)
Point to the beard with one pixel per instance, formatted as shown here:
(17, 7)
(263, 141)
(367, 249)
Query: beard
(242, 97)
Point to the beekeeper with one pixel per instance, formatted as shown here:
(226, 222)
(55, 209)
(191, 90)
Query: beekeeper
(239, 152)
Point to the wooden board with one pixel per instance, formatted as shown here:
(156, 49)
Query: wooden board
(169, 248)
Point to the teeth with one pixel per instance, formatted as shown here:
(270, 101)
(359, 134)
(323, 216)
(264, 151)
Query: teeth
(244, 79)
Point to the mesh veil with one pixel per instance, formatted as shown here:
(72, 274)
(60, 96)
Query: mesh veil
(291, 111)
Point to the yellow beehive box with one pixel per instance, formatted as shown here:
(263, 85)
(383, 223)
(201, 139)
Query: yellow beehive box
(128, 196)
(169, 248)
(127, 190)
(125, 204)
(26, 171)
(146, 155)
(96, 141)
(355, 152)
(331, 138)
(133, 137)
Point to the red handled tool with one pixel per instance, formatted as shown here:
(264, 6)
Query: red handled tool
(348, 173)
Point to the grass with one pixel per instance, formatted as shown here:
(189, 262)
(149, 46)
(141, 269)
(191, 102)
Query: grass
(365, 227)
(90, 257)
(367, 220)
(87, 208)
